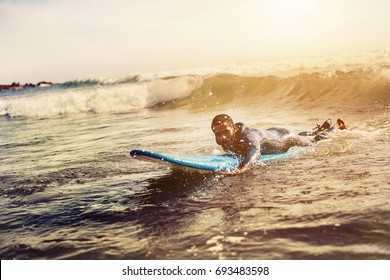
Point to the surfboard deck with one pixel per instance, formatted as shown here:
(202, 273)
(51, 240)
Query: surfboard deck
(214, 163)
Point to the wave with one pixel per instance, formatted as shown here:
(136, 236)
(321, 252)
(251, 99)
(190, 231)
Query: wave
(117, 97)
(100, 82)
(362, 86)
(359, 88)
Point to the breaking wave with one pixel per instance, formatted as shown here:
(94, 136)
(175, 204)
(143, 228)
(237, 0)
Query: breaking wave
(91, 96)
(322, 82)
(359, 88)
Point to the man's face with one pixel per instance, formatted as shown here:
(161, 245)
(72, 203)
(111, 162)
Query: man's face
(224, 133)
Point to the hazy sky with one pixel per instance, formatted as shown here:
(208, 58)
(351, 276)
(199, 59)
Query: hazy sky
(61, 40)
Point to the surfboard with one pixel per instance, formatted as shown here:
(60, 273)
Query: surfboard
(214, 163)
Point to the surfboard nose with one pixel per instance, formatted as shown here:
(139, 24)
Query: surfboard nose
(134, 153)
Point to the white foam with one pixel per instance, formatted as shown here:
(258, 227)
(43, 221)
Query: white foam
(163, 90)
(289, 67)
(148, 89)
(98, 99)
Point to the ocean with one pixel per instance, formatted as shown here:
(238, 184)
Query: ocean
(70, 190)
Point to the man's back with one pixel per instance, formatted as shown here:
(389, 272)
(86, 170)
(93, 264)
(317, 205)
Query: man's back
(279, 140)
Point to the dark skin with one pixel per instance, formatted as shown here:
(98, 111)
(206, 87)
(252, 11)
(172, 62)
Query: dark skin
(224, 134)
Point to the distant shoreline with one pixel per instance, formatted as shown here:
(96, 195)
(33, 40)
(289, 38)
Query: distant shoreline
(17, 86)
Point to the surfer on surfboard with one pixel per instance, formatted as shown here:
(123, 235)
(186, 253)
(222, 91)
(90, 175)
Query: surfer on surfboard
(252, 143)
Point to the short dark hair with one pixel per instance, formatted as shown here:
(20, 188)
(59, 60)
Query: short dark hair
(220, 119)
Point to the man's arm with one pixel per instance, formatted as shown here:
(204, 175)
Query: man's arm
(253, 154)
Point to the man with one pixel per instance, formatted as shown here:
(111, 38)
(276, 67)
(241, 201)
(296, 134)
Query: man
(252, 143)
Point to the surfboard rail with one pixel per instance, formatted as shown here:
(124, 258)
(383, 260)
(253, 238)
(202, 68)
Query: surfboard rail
(214, 163)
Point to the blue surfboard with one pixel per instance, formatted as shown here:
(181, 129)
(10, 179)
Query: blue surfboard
(215, 163)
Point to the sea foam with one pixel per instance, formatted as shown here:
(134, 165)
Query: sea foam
(362, 78)
(119, 97)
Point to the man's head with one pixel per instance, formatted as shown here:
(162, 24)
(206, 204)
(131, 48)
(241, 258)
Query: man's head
(223, 128)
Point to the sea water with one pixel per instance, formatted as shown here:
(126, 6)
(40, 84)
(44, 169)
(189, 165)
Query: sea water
(70, 190)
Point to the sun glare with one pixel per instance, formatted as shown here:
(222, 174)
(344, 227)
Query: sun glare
(291, 9)
(291, 13)
(294, 27)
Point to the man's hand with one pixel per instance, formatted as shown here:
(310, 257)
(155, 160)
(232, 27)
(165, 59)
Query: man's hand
(237, 171)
